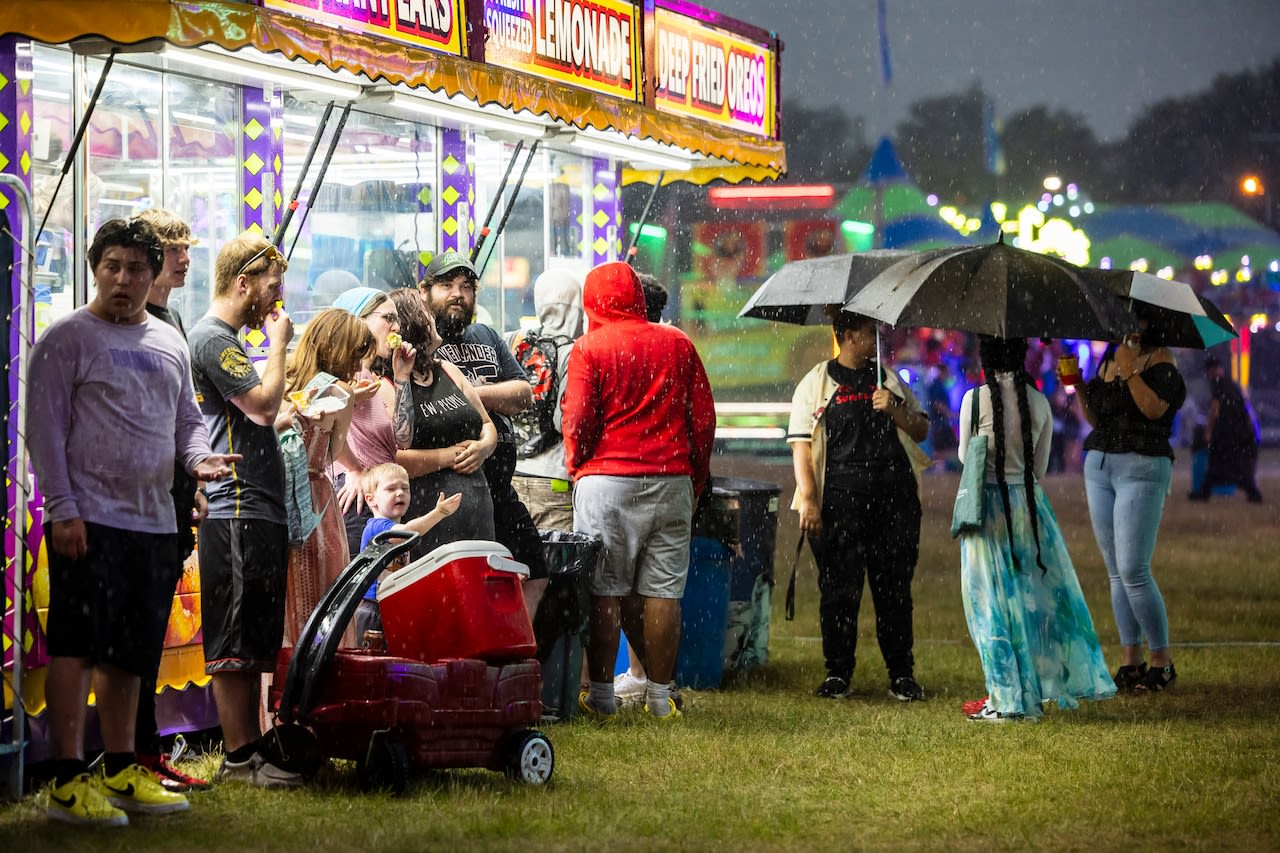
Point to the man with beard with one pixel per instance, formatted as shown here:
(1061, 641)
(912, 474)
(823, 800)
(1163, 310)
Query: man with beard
(449, 290)
(244, 541)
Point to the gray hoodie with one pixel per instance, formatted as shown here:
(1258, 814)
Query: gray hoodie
(557, 297)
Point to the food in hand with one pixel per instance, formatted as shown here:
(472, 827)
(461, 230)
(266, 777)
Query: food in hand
(394, 341)
(325, 406)
(300, 398)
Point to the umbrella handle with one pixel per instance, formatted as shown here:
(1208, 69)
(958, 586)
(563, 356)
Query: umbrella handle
(879, 363)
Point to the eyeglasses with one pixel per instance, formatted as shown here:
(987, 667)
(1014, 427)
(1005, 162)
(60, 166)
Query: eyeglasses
(389, 319)
(273, 256)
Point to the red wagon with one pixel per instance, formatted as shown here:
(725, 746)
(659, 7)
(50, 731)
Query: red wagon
(392, 714)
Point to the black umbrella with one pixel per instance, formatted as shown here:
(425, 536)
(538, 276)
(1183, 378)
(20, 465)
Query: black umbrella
(1176, 315)
(801, 290)
(995, 290)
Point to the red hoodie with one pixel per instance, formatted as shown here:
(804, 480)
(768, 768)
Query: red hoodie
(636, 399)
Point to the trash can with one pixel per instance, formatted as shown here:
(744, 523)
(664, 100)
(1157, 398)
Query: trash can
(755, 504)
(560, 625)
(704, 614)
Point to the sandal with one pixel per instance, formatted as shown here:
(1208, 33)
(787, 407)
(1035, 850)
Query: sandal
(1129, 677)
(1156, 679)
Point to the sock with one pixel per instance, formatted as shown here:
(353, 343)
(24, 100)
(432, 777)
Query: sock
(114, 762)
(600, 696)
(66, 769)
(243, 754)
(657, 695)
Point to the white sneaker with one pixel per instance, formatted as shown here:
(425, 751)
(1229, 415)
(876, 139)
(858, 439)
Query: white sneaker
(987, 714)
(260, 772)
(629, 688)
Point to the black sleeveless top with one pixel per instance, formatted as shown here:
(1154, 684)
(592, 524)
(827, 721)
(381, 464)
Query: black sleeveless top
(442, 415)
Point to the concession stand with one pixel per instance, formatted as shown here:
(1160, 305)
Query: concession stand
(362, 136)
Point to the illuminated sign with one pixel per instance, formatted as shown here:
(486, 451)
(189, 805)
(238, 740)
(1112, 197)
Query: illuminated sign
(434, 24)
(713, 75)
(593, 44)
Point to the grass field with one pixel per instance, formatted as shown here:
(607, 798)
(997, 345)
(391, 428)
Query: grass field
(761, 764)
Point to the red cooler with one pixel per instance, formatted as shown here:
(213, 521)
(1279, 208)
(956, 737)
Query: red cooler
(463, 600)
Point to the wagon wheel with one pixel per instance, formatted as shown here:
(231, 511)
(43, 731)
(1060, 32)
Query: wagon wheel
(292, 747)
(384, 765)
(531, 759)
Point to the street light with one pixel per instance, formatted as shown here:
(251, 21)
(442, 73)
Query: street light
(1252, 185)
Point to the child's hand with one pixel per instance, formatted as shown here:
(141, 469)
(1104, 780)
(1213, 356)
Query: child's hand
(448, 506)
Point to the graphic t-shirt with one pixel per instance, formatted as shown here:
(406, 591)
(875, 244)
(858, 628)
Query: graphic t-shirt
(221, 370)
(485, 359)
(862, 444)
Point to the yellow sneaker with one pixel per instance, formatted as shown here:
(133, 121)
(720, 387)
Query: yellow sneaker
(673, 711)
(80, 802)
(591, 711)
(134, 789)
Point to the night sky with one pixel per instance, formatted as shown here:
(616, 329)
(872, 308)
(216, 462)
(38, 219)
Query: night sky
(1104, 59)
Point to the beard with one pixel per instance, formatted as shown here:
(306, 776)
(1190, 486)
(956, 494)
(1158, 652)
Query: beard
(450, 321)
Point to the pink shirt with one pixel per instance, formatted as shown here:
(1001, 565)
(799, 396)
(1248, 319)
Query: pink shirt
(371, 438)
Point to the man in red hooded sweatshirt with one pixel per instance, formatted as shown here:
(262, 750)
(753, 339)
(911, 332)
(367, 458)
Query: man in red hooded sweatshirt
(638, 423)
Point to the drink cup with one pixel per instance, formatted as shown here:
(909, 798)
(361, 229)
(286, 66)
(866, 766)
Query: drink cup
(1069, 369)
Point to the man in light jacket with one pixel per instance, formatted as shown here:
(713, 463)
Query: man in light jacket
(853, 434)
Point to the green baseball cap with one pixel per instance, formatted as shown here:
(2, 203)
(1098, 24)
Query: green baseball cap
(448, 261)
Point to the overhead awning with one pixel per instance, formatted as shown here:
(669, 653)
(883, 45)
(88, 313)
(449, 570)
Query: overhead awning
(235, 26)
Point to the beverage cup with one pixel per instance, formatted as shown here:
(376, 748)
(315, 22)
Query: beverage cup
(1069, 369)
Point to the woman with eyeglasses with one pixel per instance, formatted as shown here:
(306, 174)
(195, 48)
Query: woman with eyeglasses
(370, 440)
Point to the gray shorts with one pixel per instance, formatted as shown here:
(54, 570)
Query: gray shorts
(645, 523)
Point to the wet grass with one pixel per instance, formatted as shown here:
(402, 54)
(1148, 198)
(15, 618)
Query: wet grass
(761, 764)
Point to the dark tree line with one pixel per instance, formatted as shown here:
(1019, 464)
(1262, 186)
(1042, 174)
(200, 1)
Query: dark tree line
(1187, 149)
(1192, 148)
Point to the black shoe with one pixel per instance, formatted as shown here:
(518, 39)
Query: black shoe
(1129, 677)
(1156, 679)
(905, 689)
(834, 687)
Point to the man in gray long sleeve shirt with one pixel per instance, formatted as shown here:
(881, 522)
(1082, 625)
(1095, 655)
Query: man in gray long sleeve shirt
(112, 407)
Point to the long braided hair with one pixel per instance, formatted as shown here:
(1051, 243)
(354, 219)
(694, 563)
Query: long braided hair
(1009, 355)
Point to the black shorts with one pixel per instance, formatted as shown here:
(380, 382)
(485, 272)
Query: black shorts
(112, 605)
(243, 567)
(514, 528)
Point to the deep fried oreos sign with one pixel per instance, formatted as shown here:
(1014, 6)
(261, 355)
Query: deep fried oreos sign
(712, 74)
(589, 44)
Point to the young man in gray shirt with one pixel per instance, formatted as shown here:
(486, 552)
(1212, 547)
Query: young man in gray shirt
(112, 408)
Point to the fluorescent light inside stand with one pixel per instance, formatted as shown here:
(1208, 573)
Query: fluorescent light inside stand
(474, 118)
(266, 73)
(639, 157)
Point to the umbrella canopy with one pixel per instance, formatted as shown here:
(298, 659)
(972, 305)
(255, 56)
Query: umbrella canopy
(1175, 314)
(799, 291)
(995, 290)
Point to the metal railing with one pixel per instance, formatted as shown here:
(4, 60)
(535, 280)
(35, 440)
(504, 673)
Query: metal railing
(13, 747)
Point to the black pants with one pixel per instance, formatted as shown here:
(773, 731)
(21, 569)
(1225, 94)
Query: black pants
(876, 536)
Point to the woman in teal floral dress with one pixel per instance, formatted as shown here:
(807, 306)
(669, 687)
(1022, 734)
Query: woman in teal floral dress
(1022, 601)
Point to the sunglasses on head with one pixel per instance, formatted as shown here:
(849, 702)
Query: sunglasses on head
(271, 253)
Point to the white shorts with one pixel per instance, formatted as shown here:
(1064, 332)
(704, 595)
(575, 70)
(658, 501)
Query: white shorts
(645, 524)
